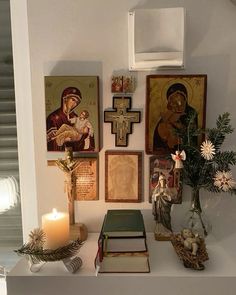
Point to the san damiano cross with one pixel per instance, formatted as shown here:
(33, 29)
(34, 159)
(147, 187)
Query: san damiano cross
(122, 119)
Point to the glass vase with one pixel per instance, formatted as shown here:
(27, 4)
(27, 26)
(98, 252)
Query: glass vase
(195, 218)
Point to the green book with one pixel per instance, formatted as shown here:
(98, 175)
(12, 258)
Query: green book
(123, 223)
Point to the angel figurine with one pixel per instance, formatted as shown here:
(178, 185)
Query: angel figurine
(178, 158)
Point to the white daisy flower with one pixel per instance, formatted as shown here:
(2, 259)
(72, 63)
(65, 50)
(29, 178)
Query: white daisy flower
(224, 180)
(207, 150)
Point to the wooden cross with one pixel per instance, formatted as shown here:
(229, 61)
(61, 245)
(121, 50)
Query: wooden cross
(122, 119)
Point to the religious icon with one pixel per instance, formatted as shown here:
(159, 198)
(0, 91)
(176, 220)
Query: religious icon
(161, 164)
(117, 84)
(122, 84)
(122, 119)
(173, 101)
(128, 84)
(72, 113)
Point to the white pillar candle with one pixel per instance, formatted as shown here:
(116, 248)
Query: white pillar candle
(56, 227)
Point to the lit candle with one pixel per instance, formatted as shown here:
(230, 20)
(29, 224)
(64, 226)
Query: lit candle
(56, 227)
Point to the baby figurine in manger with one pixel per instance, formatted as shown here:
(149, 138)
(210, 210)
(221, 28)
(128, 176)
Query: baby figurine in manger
(190, 240)
(190, 248)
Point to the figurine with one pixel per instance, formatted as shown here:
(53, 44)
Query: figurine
(162, 202)
(190, 248)
(190, 240)
(178, 158)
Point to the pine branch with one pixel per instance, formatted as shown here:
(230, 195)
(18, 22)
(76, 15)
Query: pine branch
(189, 135)
(225, 159)
(198, 172)
(223, 127)
(223, 123)
(216, 137)
(39, 255)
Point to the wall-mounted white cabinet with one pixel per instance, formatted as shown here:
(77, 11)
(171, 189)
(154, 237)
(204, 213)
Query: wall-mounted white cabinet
(156, 38)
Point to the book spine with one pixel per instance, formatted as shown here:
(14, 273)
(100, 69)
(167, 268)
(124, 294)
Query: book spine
(100, 248)
(100, 242)
(105, 243)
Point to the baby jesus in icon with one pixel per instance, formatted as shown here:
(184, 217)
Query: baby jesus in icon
(81, 126)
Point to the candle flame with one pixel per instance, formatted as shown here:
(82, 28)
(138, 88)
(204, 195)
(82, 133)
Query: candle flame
(54, 213)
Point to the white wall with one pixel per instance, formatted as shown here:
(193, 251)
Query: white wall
(24, 116)
(78, 37)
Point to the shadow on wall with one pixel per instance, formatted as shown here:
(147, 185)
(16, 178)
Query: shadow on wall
(79, 68)
(217, 69)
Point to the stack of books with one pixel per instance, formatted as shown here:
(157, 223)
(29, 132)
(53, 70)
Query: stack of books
(122, 243)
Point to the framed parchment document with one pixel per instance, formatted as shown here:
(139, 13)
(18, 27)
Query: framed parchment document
(123, 174)
(86, 178)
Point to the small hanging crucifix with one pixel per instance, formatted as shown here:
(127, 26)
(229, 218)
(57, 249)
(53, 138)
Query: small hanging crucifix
(122, 119)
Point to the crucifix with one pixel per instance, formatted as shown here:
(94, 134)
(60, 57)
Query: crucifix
(68, 166)
(122, 119)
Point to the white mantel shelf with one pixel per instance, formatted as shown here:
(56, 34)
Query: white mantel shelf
(167, 275)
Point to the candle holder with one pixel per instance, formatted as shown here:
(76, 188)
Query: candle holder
(71, 264)
(37, 256)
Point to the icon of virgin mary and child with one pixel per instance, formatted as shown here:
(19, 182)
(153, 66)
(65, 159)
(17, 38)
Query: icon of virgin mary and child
(176, 116)
(66, 128)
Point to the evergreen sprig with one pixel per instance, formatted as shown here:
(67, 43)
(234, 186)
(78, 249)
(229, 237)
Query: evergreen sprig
(46, 255)
(198, 172)
(225, 159)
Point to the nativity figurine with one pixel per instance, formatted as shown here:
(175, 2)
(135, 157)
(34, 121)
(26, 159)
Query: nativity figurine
(190, 240)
